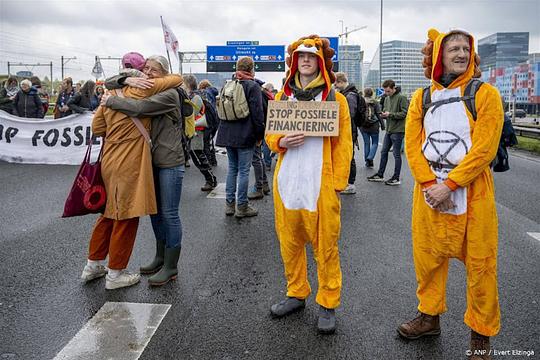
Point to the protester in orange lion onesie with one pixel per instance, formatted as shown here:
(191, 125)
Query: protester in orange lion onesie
(310, 173)
(454, 214)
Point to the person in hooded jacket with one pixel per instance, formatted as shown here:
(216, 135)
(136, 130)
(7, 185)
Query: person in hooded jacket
(7, 94)
(309, 175)
(357, 104)
(27, 103)
(454, 213)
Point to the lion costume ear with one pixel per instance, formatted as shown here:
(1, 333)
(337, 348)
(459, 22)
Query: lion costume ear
(433, 34)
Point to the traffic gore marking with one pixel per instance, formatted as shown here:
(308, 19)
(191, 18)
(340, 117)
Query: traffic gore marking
(119, 330)
(534, 235)
(311, 118)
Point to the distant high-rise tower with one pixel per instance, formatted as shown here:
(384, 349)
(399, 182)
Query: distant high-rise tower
(350, 62)
(401, 62)
(503, 49)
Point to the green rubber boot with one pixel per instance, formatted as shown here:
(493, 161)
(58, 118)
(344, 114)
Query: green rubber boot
(157, 263)
(169, 271)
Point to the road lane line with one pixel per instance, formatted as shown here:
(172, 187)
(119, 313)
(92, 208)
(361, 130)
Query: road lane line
(534, 235)
(118, 330)
(218, 192)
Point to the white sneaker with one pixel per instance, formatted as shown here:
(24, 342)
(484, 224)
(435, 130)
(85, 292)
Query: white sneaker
(93, 272)
(349, 190)
(125, 279)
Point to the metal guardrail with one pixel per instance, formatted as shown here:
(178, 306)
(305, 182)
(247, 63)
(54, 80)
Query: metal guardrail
(533, 133)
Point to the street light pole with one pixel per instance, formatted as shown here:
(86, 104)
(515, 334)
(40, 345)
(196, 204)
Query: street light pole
(380, 46)
(63, 61)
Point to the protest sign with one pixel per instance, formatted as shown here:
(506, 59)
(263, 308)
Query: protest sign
(311, 118)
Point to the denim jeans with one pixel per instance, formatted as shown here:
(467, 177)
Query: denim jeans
(166, 223)
(258, 166)
(267, 154)
(390, 140)
(371, 143)
(239, 165)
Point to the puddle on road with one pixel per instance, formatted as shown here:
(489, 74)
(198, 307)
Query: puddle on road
(118, 331)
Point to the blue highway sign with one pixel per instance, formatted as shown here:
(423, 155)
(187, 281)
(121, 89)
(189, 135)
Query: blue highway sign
(334, 44)
(259, 53)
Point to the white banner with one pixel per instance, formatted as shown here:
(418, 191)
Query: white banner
(46, 141)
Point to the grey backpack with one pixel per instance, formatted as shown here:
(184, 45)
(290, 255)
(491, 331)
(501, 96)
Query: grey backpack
(232, 104)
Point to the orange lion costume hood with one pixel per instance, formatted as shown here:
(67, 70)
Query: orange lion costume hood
(315, 45)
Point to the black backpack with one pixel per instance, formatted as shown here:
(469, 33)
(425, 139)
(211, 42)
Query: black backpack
(359, 117)
(508, 135)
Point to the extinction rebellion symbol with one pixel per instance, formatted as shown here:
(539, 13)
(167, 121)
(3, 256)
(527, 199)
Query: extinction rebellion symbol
(444, 142)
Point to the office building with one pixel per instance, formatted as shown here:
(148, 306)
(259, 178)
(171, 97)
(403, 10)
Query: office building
(401, 62)
(503, 49)
(350, 62)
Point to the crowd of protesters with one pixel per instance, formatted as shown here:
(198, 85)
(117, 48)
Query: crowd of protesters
(154, 123)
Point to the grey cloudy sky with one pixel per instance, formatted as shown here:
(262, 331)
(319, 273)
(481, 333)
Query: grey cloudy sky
(42, 31)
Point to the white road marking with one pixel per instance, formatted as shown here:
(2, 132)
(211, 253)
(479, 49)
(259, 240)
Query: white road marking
(534, 235)
(119, 330)
(218, 192)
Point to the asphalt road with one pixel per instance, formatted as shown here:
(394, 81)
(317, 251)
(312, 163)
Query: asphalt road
(231, 272)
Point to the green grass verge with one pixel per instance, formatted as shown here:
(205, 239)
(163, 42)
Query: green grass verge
(528, 144)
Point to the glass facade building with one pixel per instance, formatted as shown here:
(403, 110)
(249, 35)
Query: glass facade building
(401, 62)
(350, 62)
(503, 49)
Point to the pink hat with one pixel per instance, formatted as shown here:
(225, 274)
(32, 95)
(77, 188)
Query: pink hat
(133, 60)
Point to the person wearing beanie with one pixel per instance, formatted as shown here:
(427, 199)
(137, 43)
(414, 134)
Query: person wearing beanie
(133, 60)
(454, 215)
(141, 178)
(309, 175)
(168, 162)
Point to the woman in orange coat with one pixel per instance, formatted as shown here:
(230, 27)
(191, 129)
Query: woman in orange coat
(127, 172)
(454, 215)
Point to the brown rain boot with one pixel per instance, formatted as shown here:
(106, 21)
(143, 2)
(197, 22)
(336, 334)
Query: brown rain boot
(422, 325)
(479, 347)
(245, 210)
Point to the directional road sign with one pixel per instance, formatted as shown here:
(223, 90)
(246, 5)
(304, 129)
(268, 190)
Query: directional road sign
(259, 53)
(227, 66)
(379, 92)
(266, 57)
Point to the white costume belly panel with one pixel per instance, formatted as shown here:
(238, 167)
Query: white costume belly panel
(448, 140)
(299, 178)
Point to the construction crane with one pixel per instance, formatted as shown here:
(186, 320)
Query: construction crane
(347, 32)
